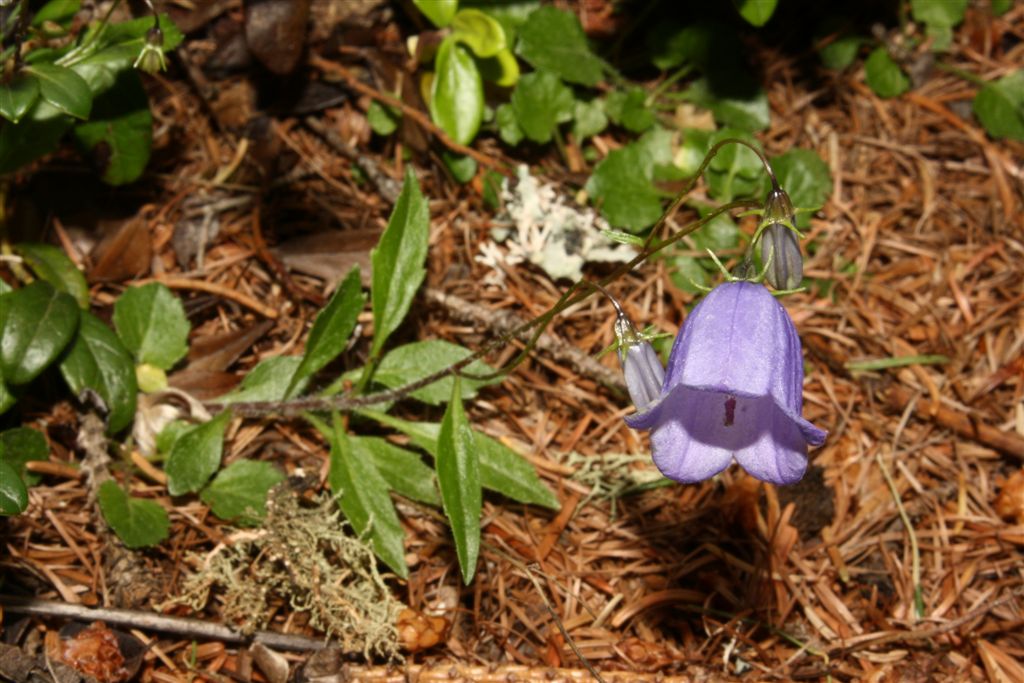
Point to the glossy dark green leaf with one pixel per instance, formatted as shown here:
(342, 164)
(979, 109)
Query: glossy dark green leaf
(21, 445)
(268, 381)
(553, 40)
(806, 178)
(480, 32)
(151, 322)
(18, 96)
(119, 133)
(458, 477)
(50, 263)
(457, 93)
(195, 455)
(98, 360)
(331, 329)
(540, 102)
(440, 12)
(398, 261)
(364, 497)
(883, 75)
(1000, 107)
(756, 12)
(405, 473)
(412, 362)
(238, 494)
(63, 88)
(39, 322)
(139, 523)
(13, 493)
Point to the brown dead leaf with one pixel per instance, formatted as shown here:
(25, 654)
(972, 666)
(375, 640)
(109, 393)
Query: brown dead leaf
(276, 32)
(329, 255)
(123, 254)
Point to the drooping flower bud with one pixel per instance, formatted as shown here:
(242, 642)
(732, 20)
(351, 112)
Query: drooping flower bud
(780, 250)
(641, 366)
(151, 57)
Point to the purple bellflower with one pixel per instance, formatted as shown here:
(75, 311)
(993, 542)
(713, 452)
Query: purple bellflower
(733, 389)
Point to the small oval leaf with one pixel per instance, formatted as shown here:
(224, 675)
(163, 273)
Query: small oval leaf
(195, 455)
(238, 493)
(40, 321)
(151, 321)
(457, 94)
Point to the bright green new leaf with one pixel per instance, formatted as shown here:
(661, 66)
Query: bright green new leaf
(268, 381)
(39, 322)
(51, 264)
(412, 362)
(883, 75)
(629, 109)
(622, 185)
(502, 69)
(553, 40)
(749, 111)
(511, 14)
(151, 322)
(398, 261)
(1000, 107)
(20, 445)
(481, 33)
(508, 126)
(331, 330)
(404, 471)
(364, 497)
(137, 522)
(18, 96)
(756, 12)
(63, 88)
(588, 118)
(99, 361)
(13, 493)
(458, 476)
(195, 455)
(942, 13)
(119, 133)
(806, 178)
(540, 102)
(457, 93)
(238, 494)
(383, 120)
(440, 12)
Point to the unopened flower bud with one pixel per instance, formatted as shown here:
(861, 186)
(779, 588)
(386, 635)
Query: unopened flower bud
(641, 366)
(780, 250)
(151, 58)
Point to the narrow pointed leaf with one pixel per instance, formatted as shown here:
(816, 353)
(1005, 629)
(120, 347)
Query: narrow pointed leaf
(458, 475)
(331, 330)
(196, 455)
(405, 473)
(39, 322)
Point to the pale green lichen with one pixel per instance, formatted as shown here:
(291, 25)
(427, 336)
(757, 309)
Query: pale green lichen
(307, 558)
(612, 476)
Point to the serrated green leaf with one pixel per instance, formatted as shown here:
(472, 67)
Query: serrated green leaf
(745, 108)
(480, 32)
(405, 473)
(398, 261)
(238, 494)
(629, 109)
(364, 497)
(457, 93)
(806, 178)
(508, 126)
(53, 265)
(412, 362)
(540, 102)
(13, 493)
(331, 330)
(98, 360)
(553, 40)
(588, 118)
(943, 13)
(195, 455)
(18, 96)
(39, 323)
(63, 88)
(151, 322)
(119, 133)
(20, 445)
(382, 119)
(756, 12)
(883, 75)
(622, 185)
(502, 470)
(458, 477)
(268, 381)
(1000, 107)
(440, 12)
(139, 523)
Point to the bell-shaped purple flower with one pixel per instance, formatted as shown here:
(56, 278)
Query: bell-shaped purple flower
(733, 389)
